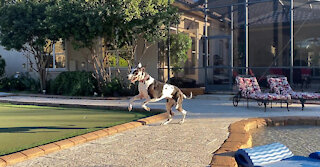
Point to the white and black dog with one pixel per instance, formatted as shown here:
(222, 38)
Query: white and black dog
(152, 91)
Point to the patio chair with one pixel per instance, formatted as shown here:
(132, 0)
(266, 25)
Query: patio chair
(249, 89)
(280, 86)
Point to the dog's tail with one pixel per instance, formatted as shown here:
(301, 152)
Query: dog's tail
(190, 97)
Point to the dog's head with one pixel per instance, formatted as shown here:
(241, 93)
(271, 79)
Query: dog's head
(137, 74)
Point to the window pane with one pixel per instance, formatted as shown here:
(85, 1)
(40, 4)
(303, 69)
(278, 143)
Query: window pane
(110, 60)
(114, 60)
(60, 58)
(60, 61)
(306, 36)
(50, 62)
(269, 35)
(123, 59)
(48, 47)
(59, 48)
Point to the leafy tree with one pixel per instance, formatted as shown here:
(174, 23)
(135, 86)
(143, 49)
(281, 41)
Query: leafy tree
(142, 20)
(118, 23)
(22, 28)
(83, 22)
(180, 44)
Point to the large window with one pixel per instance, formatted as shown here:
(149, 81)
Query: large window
(115, 58)
(57, 57)
(306, 58)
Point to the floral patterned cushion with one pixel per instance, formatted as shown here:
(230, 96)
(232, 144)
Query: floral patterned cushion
(305, 95)
(281, 86)
(241, 85)
(249, 88)
(269, 96)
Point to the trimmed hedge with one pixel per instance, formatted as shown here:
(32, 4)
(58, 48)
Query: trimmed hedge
(81, 83)
(75, 83)
(19, 83)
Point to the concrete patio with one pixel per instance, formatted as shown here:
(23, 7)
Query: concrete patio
(190, 144)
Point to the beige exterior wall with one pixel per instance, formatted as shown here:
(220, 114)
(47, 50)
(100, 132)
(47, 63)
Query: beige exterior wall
(81, 59)
(196, 31)
(150, 58)
(78, 60)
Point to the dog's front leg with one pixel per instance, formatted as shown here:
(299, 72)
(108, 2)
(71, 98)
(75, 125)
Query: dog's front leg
(134, 98)
(144, 104)
(148, 100)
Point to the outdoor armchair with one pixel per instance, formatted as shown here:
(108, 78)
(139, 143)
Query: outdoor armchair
(249, 89)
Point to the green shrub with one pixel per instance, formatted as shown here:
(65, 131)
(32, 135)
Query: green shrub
(119, 87)
(179, 44)
(75, 83)
(22, 82)
(84, 84)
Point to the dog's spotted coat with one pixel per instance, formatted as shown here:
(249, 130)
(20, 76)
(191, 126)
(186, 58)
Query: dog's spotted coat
(152, 91)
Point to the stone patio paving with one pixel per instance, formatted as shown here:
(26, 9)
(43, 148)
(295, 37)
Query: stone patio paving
(190, 144)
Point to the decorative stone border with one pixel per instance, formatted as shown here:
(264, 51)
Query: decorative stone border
(20, 156)
(239, 136)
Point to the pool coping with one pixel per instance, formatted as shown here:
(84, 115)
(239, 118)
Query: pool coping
(240, 137)
(41, 150)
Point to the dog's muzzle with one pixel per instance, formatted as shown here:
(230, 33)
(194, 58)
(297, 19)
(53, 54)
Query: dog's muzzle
(132, 78)
(129, 76)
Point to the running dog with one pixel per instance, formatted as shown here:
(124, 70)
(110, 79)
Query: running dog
(152, 91)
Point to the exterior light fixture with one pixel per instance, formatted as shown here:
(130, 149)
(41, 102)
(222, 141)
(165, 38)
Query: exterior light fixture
(83, 64)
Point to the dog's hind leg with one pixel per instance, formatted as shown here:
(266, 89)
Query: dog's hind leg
(180, 109)
(169, 105)
(184, 113)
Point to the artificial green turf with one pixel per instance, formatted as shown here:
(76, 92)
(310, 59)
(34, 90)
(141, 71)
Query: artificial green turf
(26, 126)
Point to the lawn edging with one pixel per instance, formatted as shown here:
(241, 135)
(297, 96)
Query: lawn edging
(69, 97)
(41, 150)
(240, 137)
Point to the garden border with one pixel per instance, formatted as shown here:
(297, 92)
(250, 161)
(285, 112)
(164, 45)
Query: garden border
(239, 136)
(41, 150)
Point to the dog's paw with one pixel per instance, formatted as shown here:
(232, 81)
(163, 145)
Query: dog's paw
(146, 108)
(130, 107)
(181, 122)
(164, 123)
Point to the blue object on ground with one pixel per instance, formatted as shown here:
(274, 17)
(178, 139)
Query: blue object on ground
(295, 161)
(274, 155)
(261, 155)
(315, 155)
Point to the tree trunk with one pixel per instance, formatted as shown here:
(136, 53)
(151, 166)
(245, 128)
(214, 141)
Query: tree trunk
(43, 79)
(41, 61)
(101, 74)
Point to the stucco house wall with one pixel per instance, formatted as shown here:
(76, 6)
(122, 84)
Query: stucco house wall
(16, 62)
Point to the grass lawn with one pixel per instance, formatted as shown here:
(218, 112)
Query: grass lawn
(26, 126)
